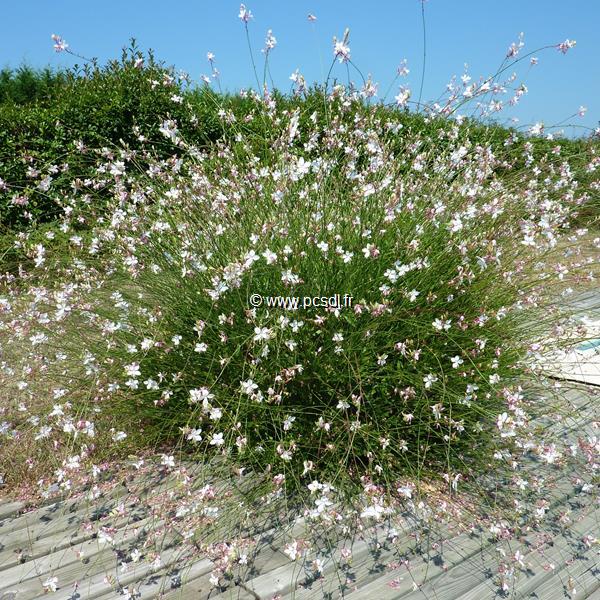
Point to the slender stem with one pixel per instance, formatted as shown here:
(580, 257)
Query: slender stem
(265, 70)
(389, 88)
(499, 72)
(424, 51)
(359, 72)
(252, 58)
(92, 60)
(329, 74)
(218, 78)
(271, 78)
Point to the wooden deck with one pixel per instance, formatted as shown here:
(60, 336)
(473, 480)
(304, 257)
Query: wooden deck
(61, 540)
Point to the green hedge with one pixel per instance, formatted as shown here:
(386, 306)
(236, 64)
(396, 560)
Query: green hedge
(98, 106)
(43, 114)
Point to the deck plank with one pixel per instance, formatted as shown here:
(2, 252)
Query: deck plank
(300, 580)
(472, 579)
(11, 509)
(49, 530)
(580, 580)
(194, 579)
(65, 563)
(595, 595)
(464, 551)
(107, 576)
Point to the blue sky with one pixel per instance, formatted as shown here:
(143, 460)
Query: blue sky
(382, 33)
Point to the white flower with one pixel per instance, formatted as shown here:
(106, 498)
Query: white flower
(269, 256)
(130, 593)
(402, 97)
(270, 41)
(250, 258)
(146, 344)
(536, 129)
(302, 167)
(167, 460)
(295, 325)
(248, 387)
(132, 384)
(169, 130)
(104, 536)
(287, 423)
(135, 555)
(194, 435)
(392, 275)
(290, 278)
(456, 361)
(406, 491)
(151, 384)
(341, 50)
(262, 334)
(200, 395)
(133, 370)
(456, 224)
(441, 325)
(437, 410)
(217, 440)
(57, 411)
(119, 436)
(322, 503)
(44, 432)
(284, 454)
(550, 454)
(245, 15)
(429, 380)
(370, 251)
(373, 512)
(50, 585)
(502, 419)
(314, 486)
(292, 550)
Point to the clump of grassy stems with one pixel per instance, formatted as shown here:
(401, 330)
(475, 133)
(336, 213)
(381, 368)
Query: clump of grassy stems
(447, 264)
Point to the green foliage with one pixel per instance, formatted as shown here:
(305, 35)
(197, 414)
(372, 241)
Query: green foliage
(27, 85)
(408, 382)
(46, 118)
(119, 105)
